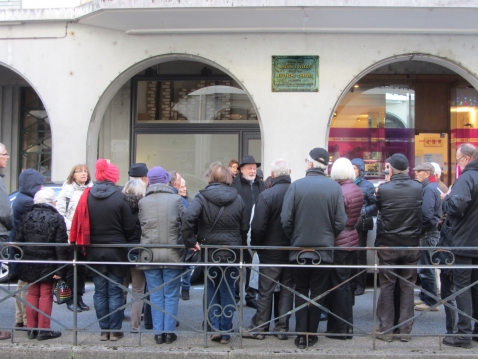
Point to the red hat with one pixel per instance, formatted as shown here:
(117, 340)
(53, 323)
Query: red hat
(106, 171)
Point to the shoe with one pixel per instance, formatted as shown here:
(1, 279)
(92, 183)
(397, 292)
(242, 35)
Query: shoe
(247, 334)
(283, 335)
(336, 337)
(148, 326)
(385, 337)
(251, 304)
(185, 294)
(32, 334)
(300, 342)
(72, 308)
(82, 305)
(5, 335)
(170, 337)
(105, 336)
(422, 307)
(313, 339)
(160, 338)
(115, 336)
(215, 337)
(359, 291)
(225, 340)
(48, 334)
(19, 325)
(417, 301)
(457, 342)
(405, 338)
(323, 316)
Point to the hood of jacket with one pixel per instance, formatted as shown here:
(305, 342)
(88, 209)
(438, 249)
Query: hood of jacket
(103, 189)
(30, 182)
(219, 193)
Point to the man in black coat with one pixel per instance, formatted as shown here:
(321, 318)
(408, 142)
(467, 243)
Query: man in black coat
(248, 186)
(399, 203)
(266, 230)
(313, 214)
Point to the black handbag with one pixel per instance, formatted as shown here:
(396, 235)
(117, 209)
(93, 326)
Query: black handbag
(61, 292)
(195, 256)
(364, 223)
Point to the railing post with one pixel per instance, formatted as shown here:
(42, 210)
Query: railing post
(241, 295)
(75, 297)
(205, 299)
(375, 277)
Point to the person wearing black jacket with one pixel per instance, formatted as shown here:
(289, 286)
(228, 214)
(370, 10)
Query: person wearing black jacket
(266, 230)
(248, 186)
(399, 203)
(459, 230)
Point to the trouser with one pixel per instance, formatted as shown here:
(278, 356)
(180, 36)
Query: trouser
(428, 276)
(385, 311)
(20, 308)
(186, 278)
(250, 293)
(311, 282)
(448, 289)
(138, 282)
(268, 276)
(80, 275)
(468, 300)
(361, 279)
(40, 296)
(108, 298)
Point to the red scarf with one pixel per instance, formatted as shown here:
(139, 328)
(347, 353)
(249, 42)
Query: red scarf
(432, 179)
(80, 226)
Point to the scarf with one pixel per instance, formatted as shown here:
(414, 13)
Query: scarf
(80, 226)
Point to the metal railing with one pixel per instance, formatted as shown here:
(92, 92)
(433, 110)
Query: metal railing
(221, 258)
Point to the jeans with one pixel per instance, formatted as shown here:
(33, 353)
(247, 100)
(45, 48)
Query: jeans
(108, 298)
(447, 289)
(186, 278)
(40, 296)
(427, 276)
(220, 297)
(385, 306)
(165, 297)
(468, 300)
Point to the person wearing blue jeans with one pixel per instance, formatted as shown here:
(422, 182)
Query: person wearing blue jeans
(186, 281)
(107, 299)
(165, 297)
(427, 276)
(220, 298)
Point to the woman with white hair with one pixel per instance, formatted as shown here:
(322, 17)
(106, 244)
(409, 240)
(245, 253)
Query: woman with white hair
(42, 225)
(342, 298)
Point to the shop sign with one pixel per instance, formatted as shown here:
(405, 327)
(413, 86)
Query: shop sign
(295, 73)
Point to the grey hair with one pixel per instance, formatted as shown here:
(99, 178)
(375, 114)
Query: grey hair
(280, 167)
(316, 164)
(342, 169)
(2, 145)
(437, 169)
(135, 186)
(173, 175)
(467, 149)
(396, 172)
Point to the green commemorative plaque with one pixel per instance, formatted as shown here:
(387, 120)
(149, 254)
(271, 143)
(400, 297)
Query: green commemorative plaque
(295, 73)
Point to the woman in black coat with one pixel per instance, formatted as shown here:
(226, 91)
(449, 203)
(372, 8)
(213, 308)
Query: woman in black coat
(230, 229)
(43, 224)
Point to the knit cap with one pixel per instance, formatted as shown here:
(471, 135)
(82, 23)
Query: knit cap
(158, 175)
(106, 171)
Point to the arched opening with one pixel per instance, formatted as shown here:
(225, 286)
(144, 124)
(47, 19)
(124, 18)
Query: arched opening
(179, 112)
(419, 105)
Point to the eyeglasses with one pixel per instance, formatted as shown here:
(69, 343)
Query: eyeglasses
(5, 154)
(81, 171)
(459, 159)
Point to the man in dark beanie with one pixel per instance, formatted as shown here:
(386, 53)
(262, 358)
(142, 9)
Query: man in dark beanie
(399, 220)
(248, 186)
(139, 170)
(313, 214)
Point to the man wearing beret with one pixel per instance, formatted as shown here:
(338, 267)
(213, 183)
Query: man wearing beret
(399, 204)
(431, 214)
(313, 214)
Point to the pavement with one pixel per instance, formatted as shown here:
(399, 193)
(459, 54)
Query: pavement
(192, 343)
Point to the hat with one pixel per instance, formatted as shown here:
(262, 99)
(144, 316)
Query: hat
(158, 175)
(106, 171)
(138, 170)
(398, 161)
(320, 155)
(249, 160)
(45, 195)
(425, 166)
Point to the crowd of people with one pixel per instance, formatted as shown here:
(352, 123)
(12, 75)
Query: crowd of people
(162, 225)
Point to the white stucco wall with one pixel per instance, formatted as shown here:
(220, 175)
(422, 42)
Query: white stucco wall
(77, 75)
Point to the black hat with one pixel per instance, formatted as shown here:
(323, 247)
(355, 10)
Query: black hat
(320, 155)
(138, 170)
(398, 161)
(249, 160)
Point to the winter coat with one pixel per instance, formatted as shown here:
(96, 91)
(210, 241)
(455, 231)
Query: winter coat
(43, 224)
(461, 205)
(399, 203)
(313, 214)
(431, 205)
(248, 192)
(5, 211)
(68, 199)
(369, 206)
(353, 200)
(160, 215)
(231, 228)
(135, 238)
(266, 227)
(111, 222)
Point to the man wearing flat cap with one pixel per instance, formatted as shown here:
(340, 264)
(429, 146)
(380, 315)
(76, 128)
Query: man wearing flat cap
(248, 186)
(431, 214)
(313, 214)
(399, 204)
